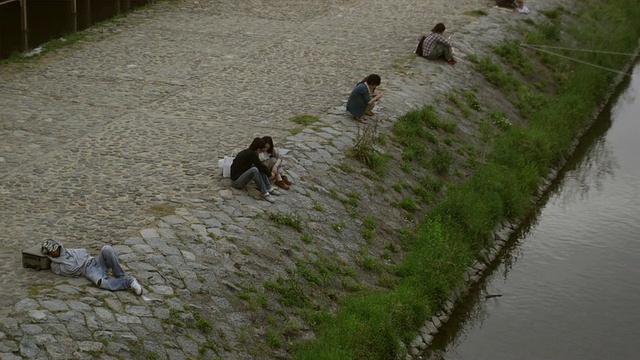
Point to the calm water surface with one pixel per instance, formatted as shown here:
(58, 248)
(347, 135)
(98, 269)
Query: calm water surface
(571, 279)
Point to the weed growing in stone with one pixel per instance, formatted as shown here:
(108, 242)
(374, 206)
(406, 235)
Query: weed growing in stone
(304, 119)
(346, 168)
(500, 120)
(291, 291)
(204, 325)
(478, 13)
(407, 204)
(441, 160)
(369, 263)
(554, 13)
(369, 222)
(161, 210)
(306, 238)
(273, 339)
(471, 100)
(277, 236)
(338, 226)
(292, 220)
(243, 296)
(511, 52)
(367, 234)
(364, 151)
(391, 247)
(351, 199)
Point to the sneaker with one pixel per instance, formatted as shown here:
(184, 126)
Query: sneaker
(268, 197)
(524, 10)
(274, 192)
(136, 287)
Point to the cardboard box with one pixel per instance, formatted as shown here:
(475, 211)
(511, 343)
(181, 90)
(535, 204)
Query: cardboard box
(34, 258)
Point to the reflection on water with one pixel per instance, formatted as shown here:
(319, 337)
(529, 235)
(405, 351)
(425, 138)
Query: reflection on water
(597, 166)
(569, 278)
(51, 19)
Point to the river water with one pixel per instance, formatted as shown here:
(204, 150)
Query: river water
(51, 19)
(570, 279)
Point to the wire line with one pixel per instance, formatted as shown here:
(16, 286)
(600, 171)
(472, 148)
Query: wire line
(574, 49)
(580, 61)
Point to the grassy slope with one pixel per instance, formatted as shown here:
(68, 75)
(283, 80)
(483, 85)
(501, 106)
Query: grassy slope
(370, 325)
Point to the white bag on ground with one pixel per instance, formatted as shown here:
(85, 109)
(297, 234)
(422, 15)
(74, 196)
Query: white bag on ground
(225, 164)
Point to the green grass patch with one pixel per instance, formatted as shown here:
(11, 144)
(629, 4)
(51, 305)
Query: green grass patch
(65, 40)
(407, 204)
(511, 53)
(304, 119)
(441, 160)
(364, 149)
(306, 238)
(477, 13)
(292, 220)
(338, 226)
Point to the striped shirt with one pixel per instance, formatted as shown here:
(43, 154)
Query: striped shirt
(430, 43)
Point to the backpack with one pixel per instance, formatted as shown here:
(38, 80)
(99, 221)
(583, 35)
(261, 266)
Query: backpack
(419, 51)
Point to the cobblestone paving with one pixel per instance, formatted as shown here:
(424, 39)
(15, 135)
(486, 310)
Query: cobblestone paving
(116, 140)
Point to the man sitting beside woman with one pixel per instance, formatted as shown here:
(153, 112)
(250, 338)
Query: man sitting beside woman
(517, 5)
(247, 166)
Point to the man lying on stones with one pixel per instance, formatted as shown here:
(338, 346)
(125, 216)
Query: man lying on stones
(78, 262)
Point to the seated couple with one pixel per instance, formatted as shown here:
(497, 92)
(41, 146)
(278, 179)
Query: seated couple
(248, 166)
(517, 5)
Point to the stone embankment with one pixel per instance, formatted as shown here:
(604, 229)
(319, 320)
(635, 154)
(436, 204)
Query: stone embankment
(116, 140)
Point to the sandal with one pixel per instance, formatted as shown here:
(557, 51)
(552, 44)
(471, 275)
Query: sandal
(361, 120)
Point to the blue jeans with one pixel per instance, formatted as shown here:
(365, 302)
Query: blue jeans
(98, 271)
(262, 180)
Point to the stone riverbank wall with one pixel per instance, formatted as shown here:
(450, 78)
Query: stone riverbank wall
(116, 140)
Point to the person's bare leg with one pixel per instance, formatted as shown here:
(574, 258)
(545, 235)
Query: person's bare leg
(368, 110)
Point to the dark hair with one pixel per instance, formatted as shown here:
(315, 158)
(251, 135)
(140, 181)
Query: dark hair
(373, 79)
(439, 28)
(269, 140)
(256, 144)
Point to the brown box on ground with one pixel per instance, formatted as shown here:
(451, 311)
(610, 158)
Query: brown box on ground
(35, 259)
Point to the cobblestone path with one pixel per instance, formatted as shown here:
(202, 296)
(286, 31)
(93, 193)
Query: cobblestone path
(116, 140)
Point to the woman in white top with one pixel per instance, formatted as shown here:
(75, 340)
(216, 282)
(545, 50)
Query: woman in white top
(271, 159)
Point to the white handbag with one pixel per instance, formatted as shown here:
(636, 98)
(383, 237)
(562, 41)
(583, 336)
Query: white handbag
(225, 164)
